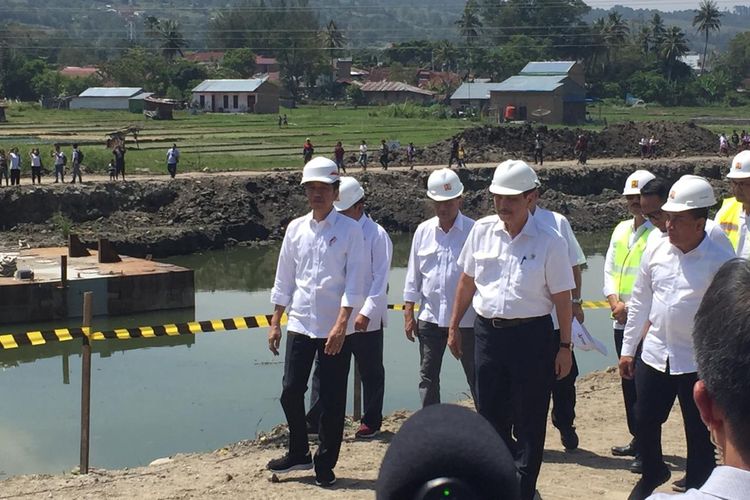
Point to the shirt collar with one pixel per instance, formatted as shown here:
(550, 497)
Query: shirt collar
(698, 251)
(529, 229)
(458, 224)
(726, 481)
(330, 219)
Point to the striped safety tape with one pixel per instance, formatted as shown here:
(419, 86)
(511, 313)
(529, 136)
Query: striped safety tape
(41, 337)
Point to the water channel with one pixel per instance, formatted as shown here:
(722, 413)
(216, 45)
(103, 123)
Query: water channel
(154, 397)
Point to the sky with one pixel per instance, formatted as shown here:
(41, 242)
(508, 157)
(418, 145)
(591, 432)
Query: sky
(665, 5)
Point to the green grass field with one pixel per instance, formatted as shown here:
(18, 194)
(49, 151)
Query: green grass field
(220, 142)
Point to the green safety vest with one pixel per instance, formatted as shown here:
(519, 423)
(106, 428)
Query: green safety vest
(728, 218)
(627, 259)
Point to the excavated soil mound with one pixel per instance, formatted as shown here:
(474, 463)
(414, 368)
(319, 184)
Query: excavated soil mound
(498, 143)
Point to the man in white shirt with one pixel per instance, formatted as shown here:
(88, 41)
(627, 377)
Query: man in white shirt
(621, 265)
(366, 341)
(60, 161)
(76, 158)
(431, 279)
(722, 394)
(319, 278)
(733, 214)
(173, 158)
(671, 282)
(564, 390)
(515, 272)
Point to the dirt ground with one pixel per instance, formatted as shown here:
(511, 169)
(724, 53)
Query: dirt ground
(238, 470)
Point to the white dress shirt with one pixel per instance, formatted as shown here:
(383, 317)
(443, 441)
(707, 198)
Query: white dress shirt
(433, 273)
(515, 277)
(724, 483)
(320, 270)
(667, 292)
(609, 263)
(713, 230)
(743, 246)
(15, 161)
(377, 265)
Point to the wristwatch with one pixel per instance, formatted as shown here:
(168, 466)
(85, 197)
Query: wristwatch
(566, 345)
(577, 301)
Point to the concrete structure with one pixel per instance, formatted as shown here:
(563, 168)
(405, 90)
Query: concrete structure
(105, 98)
(474, 95)
(255, 95)
(126, 287)
(395, 93)
(547, 92)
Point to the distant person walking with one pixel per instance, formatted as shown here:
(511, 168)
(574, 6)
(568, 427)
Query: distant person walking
(454, 152)
(4, 168)
(723, 145)
(410, 151)
(538, 149)
(643, 145)
(286, 122)
(173, 158)
(363, 155)
(119, 154)
(36, 166)
(384, 154)
(735, 140)
(653, 143)
(307, 151)
(60, 161)
(338, 154)
(280, 121)
(581, 149)
(461, 157)
(77, 158)
(15, 167)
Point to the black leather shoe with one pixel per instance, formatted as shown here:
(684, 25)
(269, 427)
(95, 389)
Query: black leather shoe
(636, 466)
(680, 485)
(646, 485)
(569, 438)
(624, 451)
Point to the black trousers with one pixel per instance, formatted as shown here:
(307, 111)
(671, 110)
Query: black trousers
(367, 348)
(564, 395)
(171, 168)
(539, 156)
(656, 394)
(15, 177)
(433, 340)
(334, 373)
(628, 390)
(36, 174)
(515, 372)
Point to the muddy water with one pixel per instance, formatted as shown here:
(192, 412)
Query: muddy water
(152, 398)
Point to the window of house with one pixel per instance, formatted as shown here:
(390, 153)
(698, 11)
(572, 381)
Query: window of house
(202, 100)
(235, 101)
(226, 101)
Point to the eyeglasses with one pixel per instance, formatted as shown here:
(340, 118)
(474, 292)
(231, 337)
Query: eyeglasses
(659, 214)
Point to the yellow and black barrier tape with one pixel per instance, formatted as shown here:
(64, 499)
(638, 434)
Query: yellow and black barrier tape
(41, 337)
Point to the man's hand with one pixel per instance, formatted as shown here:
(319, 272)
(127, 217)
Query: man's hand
(563, 363)
(361, 323)
(627, 367)
(336, 338)
(274, 339)
(620, 312)
(454, 341)
(578, 312)
(411, 327)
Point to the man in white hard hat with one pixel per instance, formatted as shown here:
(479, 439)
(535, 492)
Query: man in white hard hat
(733, 214)
(319, 279)
(515, 271)
(621, 264)
(431, 278)
(366, 341)
(564, 390)
(670, 285)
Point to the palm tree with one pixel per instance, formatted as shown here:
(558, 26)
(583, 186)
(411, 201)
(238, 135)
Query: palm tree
(707, 19)
(445, 55)
(657, 31)
(332, 39)
(644, 39)
(169, 35)
(673, 46)
(469, 24)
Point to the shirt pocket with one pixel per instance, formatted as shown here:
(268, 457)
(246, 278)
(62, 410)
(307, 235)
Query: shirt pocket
(487, 267)
(427, 260)
(530, 272)
(333, 252)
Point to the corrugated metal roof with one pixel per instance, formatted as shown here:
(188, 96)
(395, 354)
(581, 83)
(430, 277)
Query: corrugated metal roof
(523, 83)
(386, 86)
(474, 90)
(248, 85)
(141, 96)
(110, 92)
(548, 67)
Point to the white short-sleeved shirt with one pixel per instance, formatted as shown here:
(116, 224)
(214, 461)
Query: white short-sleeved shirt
(713, 230)
(320, 270)
(377, 265)
(433, 273)
(515, 277)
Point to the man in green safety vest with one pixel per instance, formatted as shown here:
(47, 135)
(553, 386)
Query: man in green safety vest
(620, 270)
(732, 216)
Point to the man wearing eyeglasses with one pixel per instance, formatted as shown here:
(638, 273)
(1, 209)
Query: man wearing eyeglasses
(733, 214)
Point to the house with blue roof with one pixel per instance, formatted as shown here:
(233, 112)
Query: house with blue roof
(102, 98)
(547, 92)
(252, 95)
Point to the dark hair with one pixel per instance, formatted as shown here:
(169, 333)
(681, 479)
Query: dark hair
(75, 145)
(721, 337)
(656, 187)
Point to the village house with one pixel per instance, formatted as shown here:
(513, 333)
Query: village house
(103, 98)
(254, 95)
(395, 93)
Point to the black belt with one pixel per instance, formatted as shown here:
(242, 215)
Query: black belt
(501, 323)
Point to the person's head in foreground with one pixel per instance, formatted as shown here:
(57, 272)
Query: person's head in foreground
(447, 452)
(721, 337)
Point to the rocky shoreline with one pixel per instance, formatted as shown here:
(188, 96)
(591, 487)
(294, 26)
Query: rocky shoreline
(161, 218)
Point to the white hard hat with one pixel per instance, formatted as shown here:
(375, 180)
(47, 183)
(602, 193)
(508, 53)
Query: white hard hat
(740, 167)
(350, 192)
(320, 169)
(688, 193)
(636, 181)
(444, 184)
(513, 177)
